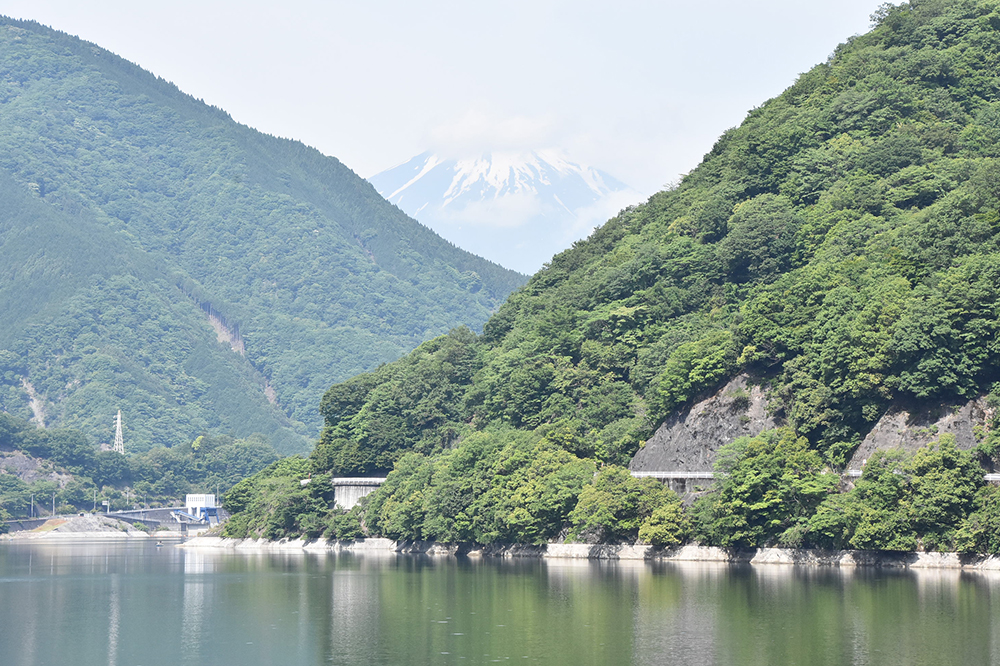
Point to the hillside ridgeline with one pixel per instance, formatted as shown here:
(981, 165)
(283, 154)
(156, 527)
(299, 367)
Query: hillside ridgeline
(134, 219)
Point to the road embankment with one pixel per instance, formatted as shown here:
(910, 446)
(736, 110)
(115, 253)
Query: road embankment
(87, 526)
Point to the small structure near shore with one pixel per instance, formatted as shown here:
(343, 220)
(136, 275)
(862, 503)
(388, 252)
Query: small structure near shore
(198, 508)
(348, 491)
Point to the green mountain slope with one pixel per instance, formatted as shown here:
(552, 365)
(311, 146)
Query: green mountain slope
(94, 324)
(310, 272)
(841, 245)
(842, 242)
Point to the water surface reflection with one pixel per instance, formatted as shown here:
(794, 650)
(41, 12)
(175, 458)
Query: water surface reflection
(131, 603)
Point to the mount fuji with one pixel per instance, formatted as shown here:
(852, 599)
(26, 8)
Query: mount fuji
(517, 209)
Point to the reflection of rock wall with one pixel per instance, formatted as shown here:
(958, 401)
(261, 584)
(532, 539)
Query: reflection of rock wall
(688, 440)
(910, 427)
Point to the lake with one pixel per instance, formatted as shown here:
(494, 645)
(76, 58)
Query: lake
(132, 604)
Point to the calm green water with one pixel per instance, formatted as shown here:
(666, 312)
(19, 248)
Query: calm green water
(133, 604)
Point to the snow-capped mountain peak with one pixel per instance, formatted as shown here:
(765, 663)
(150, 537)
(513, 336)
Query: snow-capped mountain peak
(516, 208)
(491, 175)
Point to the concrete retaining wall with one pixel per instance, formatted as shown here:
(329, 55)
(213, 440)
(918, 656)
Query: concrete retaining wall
(689, 553)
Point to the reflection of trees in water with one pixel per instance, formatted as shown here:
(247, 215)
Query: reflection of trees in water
(486, 609)
(193, 619)
(122, 605)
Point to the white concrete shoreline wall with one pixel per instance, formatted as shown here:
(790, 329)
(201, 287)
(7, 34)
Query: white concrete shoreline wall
(579, 551)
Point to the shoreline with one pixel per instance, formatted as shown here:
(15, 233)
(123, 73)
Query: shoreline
(87, 528)
(625, 552)
(109, 535)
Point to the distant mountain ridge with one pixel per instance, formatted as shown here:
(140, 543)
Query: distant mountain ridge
(134, 217)
(516, 208)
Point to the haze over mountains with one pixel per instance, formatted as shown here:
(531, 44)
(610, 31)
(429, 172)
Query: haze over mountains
(160, 258)
(515, 208)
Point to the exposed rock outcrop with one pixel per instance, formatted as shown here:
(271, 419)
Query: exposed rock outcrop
(910, 427)
(583, 551)
(36, 403)
(688, 440)
(30, 469)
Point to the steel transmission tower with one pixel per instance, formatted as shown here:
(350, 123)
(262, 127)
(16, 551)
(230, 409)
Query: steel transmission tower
(119, 440)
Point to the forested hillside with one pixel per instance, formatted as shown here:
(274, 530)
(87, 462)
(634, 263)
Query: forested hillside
(134, 218)
(61, 466)
(840, 246)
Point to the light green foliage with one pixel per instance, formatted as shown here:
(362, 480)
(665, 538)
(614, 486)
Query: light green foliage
(533, 490)
(371, 419)
(769, 486)
(875, 515)
(667, 526)
(692, 368)
(345, 524)
(760, 239)
(396, 509)
(842, 241)
(130, 213)
(617, 508)
(905, 502)
(980, 531)
(497, 486)
(988, 436)
(274, 504)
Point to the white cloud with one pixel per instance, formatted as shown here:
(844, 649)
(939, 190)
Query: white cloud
(476, 131)
(508, 212)
(590, 217)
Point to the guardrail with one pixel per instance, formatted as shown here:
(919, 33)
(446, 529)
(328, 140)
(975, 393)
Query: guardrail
(358, 480)
(670, 476)
(665, 476)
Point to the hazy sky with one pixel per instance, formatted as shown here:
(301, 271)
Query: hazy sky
(638, 89)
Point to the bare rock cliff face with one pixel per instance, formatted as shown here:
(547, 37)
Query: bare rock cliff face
(911, 427)
(688, 440)
(29, 469)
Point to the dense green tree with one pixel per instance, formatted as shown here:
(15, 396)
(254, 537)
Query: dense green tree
(980, 531)
(159, 476)
(617, 507)
(769, 487)
(497, 486)
(904, 502)
(139, 227)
